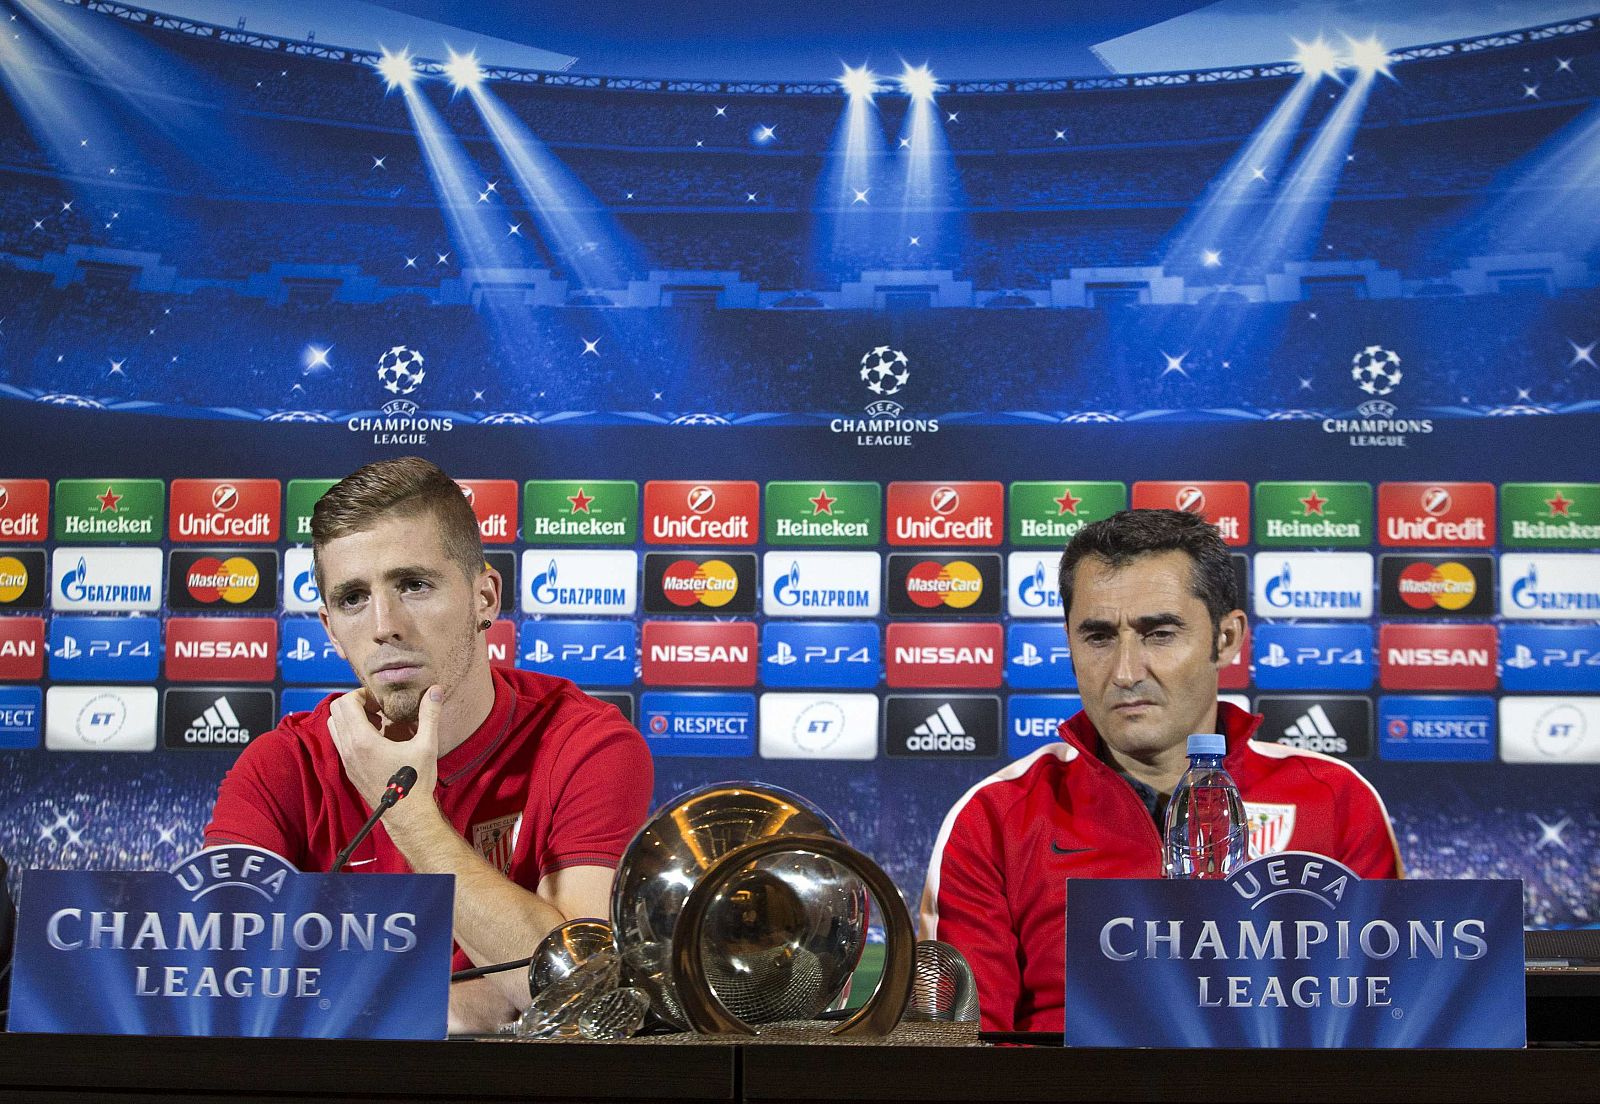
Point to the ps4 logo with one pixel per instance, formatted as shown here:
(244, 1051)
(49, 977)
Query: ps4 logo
(1030, 656)
(1522, 658)
(303, 652)
(541, 652)
(1276, 656)
(818, 653)
(104, 649)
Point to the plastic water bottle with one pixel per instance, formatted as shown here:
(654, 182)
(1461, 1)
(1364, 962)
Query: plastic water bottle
(1206, 835)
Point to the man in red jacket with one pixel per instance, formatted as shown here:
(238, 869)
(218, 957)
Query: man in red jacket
(1151, 615)
(527, 789)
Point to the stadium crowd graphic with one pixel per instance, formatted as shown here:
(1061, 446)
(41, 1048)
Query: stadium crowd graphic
(261, 272)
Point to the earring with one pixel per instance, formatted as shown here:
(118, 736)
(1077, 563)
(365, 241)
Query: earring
(483, 626)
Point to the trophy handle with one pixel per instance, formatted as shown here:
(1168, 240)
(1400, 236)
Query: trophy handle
(704, 1009)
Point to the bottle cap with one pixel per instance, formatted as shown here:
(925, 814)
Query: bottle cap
(1208, 743)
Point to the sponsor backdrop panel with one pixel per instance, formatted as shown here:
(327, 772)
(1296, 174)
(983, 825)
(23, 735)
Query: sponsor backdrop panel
(885, 681)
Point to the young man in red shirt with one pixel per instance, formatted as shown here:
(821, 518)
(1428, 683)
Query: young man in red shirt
(1151, 617)
(527, 789)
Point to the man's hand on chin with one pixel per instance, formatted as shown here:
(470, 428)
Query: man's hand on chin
(370, 753)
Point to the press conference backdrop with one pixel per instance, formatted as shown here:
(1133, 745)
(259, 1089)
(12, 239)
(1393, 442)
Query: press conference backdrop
(777, 405)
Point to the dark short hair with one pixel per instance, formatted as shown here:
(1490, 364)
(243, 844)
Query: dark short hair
(406, 487)
(1123, 536)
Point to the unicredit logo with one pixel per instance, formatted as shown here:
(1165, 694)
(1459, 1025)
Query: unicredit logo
(944, 500)
(1191, 500)
(1436, 501)
(702, 499)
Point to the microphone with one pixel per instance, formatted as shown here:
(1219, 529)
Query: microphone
(400, 784)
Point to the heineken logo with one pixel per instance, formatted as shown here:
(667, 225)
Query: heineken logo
(580, 511)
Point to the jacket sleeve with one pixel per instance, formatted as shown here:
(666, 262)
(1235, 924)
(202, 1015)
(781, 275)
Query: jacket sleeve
(1368, 843)
(254, 801)
(964, 904)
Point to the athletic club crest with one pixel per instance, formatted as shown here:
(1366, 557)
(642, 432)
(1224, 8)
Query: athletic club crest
(1270, 827)
(496, 839)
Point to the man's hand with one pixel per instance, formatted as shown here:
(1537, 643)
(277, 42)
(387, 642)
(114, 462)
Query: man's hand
(373, 748)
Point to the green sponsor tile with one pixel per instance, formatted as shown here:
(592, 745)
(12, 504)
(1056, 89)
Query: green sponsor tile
(580, 511)
(302, 496)
(110, 511)
(1048, 514)
(817, 514)
(1313, 515)
(1550, 515)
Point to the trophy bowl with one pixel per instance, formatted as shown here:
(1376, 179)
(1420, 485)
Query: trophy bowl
(780, 938)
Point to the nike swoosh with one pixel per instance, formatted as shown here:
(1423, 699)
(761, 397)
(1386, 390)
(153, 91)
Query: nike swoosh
(1058, 849)
(360, 862)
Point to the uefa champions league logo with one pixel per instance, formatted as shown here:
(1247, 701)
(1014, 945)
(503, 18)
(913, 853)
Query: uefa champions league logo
(1376, 372)
(402, 422)
(885, 371)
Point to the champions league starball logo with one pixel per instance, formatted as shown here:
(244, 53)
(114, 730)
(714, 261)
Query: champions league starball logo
(1376, 372)
(402, 421)
(400, 370)
(885, 371)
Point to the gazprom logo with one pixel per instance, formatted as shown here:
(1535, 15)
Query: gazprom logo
(1032, 592)
(1558, 587)
(1036, 592)
(580, 582)
(787, 589)
(1278, 589)
(544, 585)
(1324, 584)
(75, 583)
(305, 587)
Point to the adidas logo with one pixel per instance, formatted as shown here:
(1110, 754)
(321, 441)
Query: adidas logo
(1313, 731)
(217, 725)
(941, 731)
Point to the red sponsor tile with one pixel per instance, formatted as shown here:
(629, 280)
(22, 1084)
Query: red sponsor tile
(699, 653)
(1456, 515)
(24, 510)
(1437, 657)
(1225, 504)
(933, 514)
(955, 656)
(495, 503)
(502, 639)
(217, 649)
(21, 648)
(244, 511)
(683, 511)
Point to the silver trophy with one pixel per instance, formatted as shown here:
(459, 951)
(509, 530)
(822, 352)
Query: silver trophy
(741, 903)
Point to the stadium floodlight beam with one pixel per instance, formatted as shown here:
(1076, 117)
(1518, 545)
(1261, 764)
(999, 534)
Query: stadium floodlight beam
(918, 82)
(1315, 58)
(463, 71)
(396, 70)
(1368, 55)
(859, 82)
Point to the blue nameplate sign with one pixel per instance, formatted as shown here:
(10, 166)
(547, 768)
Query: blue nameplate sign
(1294, 950)
(233, 941)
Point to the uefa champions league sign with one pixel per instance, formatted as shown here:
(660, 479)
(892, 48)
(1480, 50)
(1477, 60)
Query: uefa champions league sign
(1295, 950)
(233, 941)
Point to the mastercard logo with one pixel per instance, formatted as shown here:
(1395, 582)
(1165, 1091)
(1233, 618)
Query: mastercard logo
(13, 578)
(956, 584)
(706, 583)
(233, 580)
(1450, 586)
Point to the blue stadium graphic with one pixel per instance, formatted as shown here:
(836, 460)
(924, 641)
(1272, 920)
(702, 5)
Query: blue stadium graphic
(206, 233)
